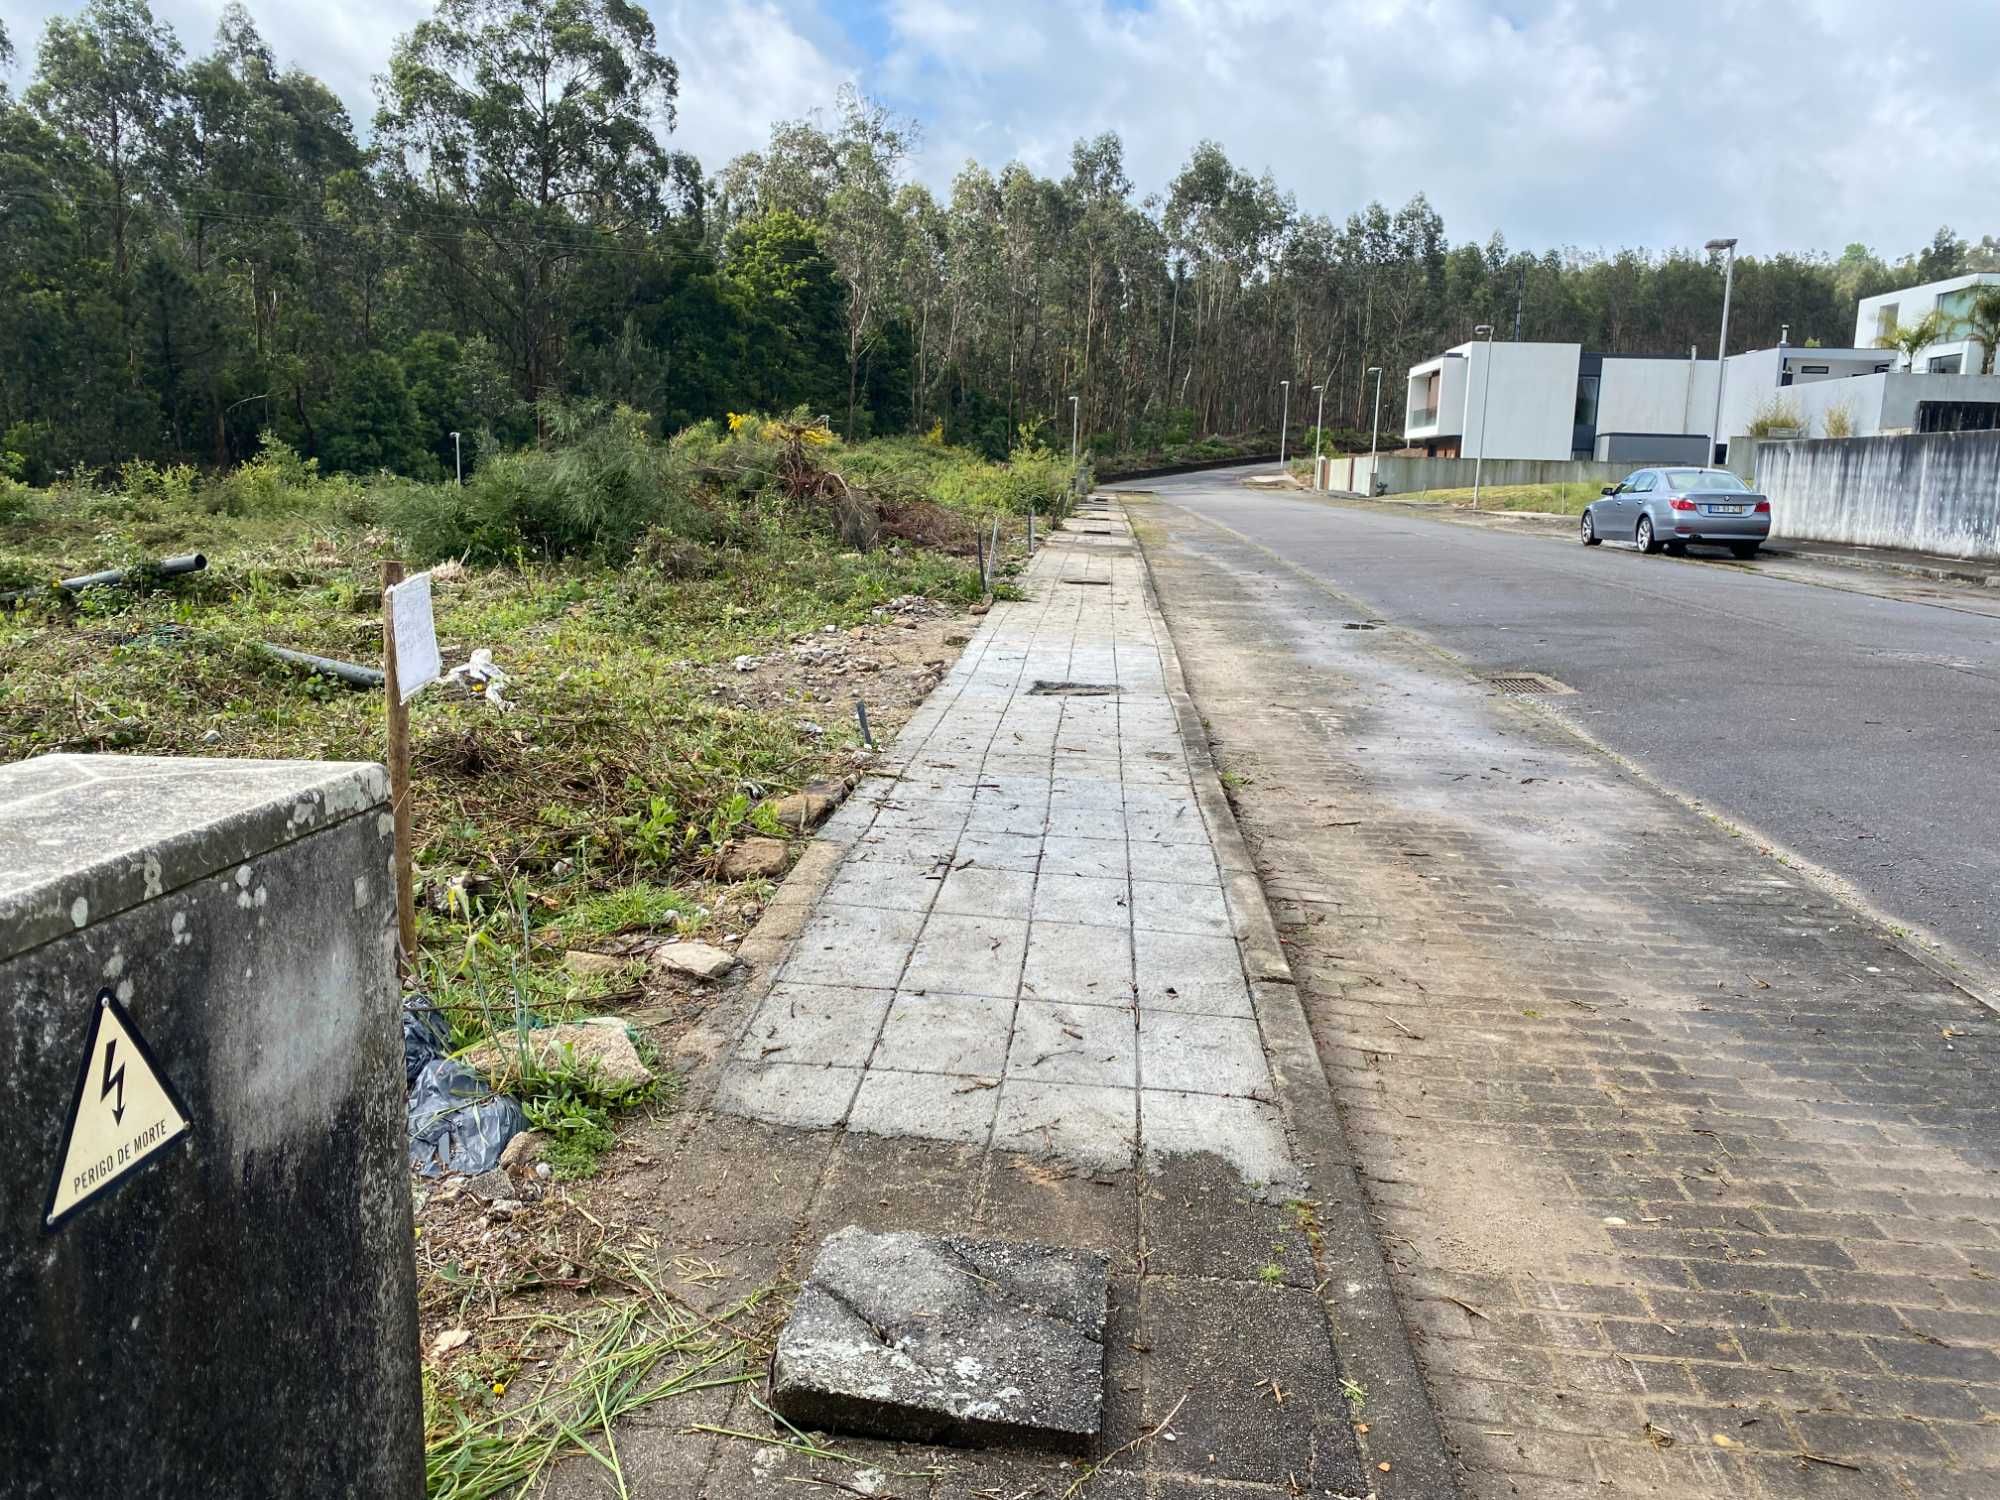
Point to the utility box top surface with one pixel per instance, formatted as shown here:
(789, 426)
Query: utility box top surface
(84, 837)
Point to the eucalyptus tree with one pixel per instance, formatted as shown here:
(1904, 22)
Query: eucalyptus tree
(109, 82)
(518, 132)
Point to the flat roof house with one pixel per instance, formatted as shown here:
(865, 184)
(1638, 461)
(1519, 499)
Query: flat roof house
(1878, 317)
(1535, 400)
(1556, 401)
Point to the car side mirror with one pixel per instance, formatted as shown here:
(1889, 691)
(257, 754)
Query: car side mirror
(1609, 489)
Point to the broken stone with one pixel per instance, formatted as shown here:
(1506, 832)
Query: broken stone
(809, 807)
(523, 1151)
(957, 638)
(937, 1338)
(702, 960)
(753, 859)
(491, 1186)
(585, 965)
(600, 1046)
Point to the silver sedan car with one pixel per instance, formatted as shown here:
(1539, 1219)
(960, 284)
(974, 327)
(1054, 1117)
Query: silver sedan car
(1674, 508)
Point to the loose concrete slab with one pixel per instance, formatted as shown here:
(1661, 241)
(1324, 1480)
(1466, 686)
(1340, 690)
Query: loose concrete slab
(944, 1338)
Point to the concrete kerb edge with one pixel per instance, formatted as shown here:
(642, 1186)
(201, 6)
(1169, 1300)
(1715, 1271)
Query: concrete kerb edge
(1970, 572)
(1962, 971)
(1371, 1340)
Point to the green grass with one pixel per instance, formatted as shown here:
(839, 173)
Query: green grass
(1555, 499)
(594, 806)
(614, 1357)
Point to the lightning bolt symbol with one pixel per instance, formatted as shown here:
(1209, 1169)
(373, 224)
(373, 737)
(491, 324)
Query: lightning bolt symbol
(114, 1081)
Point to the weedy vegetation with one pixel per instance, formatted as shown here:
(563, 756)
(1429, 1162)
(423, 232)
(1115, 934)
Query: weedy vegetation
(614, 577)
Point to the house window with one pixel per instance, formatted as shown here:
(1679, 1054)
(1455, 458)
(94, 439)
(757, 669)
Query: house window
(1885, 320)
(1586, 401)
(1946, 364)
(1815, 369)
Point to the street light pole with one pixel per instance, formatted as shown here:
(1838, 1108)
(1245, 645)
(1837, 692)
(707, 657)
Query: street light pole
(1283, 422)
(1721, 348)
(1485, 391)
(1072, 433)
(1319, 426)
(457, 458)
(1375, 433)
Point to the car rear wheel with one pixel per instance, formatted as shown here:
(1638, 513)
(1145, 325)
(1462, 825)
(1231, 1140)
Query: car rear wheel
(1587, 532)
(1643, 537)
(1745, 550)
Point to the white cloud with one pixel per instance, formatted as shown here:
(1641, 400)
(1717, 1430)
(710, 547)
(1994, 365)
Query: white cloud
(745, 64)
(1794, 124)
(1598, 123)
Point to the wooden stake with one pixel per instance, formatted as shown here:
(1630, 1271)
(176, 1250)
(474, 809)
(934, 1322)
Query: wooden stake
(399, 778)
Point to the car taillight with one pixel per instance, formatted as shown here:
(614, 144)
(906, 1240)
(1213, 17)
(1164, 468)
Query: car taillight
(1679, 504)
(1763, 507)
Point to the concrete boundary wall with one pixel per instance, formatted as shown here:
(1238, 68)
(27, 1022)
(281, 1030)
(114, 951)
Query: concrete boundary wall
(1934, 492)
(1160, 471)
(1401, 475)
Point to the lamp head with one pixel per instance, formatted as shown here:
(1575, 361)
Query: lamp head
(1374, 370)
(1483, 331)
(1720, 245)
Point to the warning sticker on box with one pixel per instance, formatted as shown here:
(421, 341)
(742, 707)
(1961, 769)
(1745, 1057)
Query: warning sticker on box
(125, 1113)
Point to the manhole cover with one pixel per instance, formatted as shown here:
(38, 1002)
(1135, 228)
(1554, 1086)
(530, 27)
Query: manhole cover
(1360, 624)
(1073, 689)
(1090, 583)
(1528, 682)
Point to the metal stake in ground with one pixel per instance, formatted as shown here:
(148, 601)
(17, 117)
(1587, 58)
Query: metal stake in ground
(979, 550)
(399, 776)
(1031, 532)
(993, 552)
(861, 716)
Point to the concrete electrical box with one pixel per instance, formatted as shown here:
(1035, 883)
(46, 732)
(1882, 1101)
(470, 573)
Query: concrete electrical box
(207, 1276)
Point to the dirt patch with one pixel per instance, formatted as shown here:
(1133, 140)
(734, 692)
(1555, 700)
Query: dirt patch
(891, 664)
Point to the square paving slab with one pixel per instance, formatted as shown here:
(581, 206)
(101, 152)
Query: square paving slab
(939, 1338)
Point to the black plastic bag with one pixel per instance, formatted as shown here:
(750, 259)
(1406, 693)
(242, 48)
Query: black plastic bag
(457, 1122)
(426, 1037)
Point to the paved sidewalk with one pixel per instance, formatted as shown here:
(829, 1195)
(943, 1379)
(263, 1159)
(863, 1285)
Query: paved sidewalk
(1028, 944)
(1025, 986)
(1687, 1172)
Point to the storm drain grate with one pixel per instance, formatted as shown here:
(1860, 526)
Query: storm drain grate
(1528, 682)
(1073, 689)
(1090, 583)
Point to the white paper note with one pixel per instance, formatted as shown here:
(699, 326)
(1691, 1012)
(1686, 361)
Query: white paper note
(415, 634)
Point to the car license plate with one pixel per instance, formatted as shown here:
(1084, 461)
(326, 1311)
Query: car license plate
(1725, 510)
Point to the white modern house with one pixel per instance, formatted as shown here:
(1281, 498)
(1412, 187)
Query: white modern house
(1557, 401)
(1877, 318)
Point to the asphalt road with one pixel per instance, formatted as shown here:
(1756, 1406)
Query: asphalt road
(1861, 732)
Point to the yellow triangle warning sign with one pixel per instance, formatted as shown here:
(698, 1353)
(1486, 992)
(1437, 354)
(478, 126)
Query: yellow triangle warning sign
(125, 1113)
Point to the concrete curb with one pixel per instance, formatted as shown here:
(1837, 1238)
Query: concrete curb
(1967, 571)
(1371, 1340)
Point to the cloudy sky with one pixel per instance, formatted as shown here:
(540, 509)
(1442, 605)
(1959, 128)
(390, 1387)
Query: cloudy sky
(1793, 124)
